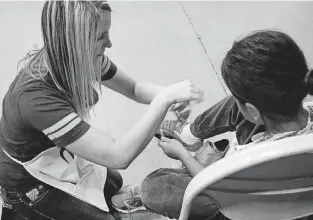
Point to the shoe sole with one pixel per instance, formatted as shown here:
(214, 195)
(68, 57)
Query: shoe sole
(132, 210)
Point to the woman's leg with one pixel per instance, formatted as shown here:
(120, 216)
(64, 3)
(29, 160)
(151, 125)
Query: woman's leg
(114, 183)
(10, 214)
(43, 202)
(163, 190)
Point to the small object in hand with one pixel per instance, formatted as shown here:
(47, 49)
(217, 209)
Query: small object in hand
(158, 136)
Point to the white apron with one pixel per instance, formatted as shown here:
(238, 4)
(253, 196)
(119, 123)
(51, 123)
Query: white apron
(79, 178)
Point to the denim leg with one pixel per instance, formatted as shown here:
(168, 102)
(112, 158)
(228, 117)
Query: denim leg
(224, 117)
(113, 184)
(60, 205)
(163, 190)
(10, 214)
(51, 203)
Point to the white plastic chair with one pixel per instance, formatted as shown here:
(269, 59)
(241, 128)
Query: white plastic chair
(272, 181)
(1, 207)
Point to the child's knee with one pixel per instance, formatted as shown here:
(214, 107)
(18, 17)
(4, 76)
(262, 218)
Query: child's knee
(150, 185)
(164, 183)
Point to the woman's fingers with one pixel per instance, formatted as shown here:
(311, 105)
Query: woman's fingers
(179, 106)
(183, 91)
(183, 114)
(197, 94)
(196, 90)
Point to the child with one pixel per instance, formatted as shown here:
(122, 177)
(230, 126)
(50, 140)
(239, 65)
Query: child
(268, 77)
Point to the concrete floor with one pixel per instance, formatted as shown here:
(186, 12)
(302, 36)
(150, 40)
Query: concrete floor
(161, 42)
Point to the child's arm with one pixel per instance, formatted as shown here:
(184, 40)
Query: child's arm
(193, 166)
(175, 150)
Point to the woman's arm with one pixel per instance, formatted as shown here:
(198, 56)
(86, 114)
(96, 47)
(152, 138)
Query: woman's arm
(140, 92)
(192, 165)
(104, 150)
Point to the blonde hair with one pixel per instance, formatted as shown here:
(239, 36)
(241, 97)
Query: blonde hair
(70, 30)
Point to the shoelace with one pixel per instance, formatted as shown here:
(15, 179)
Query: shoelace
(129, 193)
(170, 125)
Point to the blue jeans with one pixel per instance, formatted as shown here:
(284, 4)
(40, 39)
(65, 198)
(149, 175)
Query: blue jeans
(43, 202)
(163, 190)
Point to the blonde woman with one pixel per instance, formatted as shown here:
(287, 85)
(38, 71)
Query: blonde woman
(54, 165)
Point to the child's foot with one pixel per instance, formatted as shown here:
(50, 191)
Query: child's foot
(128, 200)
(173, 129)
(208, 154)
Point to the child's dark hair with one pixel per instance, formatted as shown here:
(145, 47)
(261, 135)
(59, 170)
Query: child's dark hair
(268, 70)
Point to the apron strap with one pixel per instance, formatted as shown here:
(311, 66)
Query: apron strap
(15, 160)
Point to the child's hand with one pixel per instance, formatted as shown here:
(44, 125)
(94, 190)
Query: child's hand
(172, 148)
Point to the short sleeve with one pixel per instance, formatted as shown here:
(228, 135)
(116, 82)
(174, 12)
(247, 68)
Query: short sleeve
(48, 112)
(108, 69)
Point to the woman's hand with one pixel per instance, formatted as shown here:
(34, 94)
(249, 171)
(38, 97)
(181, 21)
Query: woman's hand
(181, 110)
(181, 92)
(172, 148)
